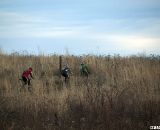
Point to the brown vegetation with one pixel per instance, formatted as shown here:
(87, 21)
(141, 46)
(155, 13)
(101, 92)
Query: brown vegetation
(121, 93)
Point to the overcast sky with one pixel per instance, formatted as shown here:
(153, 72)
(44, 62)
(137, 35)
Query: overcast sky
(81, 26)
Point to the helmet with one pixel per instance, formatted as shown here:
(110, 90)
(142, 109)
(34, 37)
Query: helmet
(30, 69)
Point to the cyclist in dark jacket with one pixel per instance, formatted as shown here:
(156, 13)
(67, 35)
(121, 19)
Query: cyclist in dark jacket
(65, 72)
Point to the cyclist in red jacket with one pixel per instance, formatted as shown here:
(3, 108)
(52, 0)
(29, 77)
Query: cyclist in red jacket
(26, 76)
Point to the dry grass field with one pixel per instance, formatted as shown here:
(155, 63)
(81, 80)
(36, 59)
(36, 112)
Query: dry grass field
(121, 93)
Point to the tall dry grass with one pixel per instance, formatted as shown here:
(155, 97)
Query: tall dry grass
(121, 93)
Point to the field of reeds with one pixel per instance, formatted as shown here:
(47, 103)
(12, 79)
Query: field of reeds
(121, 93)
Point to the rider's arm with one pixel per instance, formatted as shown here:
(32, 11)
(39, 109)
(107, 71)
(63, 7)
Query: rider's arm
(31, 75)
(86, 69)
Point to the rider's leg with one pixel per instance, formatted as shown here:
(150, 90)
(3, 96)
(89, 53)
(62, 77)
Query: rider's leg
(65, 79)
(24, 80)
(29, 82)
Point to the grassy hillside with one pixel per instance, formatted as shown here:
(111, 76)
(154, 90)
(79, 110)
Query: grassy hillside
(121, 93)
